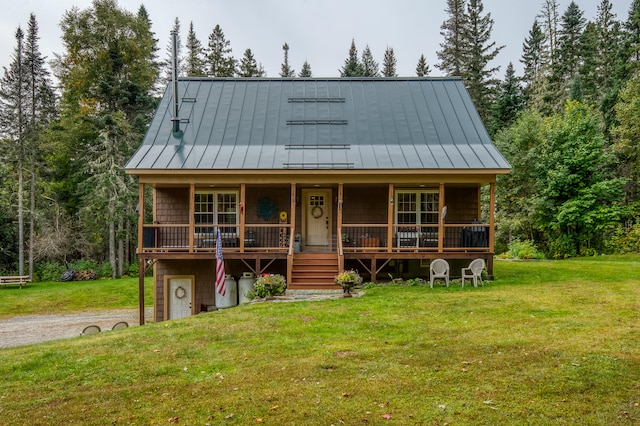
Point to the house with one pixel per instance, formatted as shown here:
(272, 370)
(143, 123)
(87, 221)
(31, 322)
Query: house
(305, 177)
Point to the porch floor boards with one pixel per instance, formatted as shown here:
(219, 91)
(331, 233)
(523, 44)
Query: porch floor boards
(314, 271)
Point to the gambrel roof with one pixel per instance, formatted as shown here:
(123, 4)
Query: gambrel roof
(324, 123)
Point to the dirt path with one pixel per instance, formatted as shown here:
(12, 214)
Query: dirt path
(28, 329)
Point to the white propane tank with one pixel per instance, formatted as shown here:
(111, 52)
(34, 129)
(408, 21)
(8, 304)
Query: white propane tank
(245, 285)
(230, 299)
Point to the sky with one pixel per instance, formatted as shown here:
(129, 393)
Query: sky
(318, 31)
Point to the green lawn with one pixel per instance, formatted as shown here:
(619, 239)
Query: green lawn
(548, 342)
(74, 296)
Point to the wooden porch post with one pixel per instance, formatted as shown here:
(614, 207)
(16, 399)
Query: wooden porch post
(492, 207)
(192, 222)
(339, 226)
(141, 262)
(141, 270)
(243, 189)
(390, 204)
(292, 228)
(141, 218)
(441, 205)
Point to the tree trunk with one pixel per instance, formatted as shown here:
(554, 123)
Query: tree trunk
(32, 218)
(120, 249)
(20, 218)
(112, 247)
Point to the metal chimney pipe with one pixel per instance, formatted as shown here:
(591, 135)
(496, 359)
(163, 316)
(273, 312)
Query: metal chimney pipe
(174, 80)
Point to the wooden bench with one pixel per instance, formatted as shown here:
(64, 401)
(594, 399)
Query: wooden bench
(19, 280)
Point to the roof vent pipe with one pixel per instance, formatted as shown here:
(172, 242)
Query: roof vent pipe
(174, 80)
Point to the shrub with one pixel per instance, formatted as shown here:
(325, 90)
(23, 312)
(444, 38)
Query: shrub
(624, 240)
(49, 271)
(267, 285)
(525, 249)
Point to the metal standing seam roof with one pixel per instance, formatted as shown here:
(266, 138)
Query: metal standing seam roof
(339, 123)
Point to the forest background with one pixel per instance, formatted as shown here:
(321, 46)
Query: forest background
(569, 125)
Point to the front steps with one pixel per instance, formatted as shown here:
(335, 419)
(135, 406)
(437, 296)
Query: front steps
(314, 271)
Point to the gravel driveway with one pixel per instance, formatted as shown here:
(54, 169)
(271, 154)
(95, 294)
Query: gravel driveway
(28, 329)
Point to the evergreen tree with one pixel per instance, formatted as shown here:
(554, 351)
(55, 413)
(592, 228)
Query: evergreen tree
(587, 77)
(285, 69)
(27, 105)
(248, 66)
(422, 69)
(107, 74)
(534, 60)
(549, 19)
(41, 102)
(352, 66)
(389, 64)
(370, 66)
(477, 74)
(306, 70)
(632, 35)
(219, 59)
(509, 102)
(13, 126)
(194, 59)
(166, 66)
(454, 49)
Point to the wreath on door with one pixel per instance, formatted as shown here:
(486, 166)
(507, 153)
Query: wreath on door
(317, 212)
(180, 292)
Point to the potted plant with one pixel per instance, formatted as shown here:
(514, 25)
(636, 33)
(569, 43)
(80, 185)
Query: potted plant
(347, 280)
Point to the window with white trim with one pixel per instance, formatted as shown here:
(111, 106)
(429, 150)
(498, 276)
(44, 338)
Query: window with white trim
(417, 207)
(216, 208)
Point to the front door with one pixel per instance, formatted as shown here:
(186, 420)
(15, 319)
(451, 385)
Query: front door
(179, 297)
(317, 218)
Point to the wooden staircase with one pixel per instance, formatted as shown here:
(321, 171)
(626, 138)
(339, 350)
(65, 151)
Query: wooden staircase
(314, 271)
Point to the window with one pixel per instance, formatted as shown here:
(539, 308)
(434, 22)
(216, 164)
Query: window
(417, 207)
(216, 208)
(417, 218)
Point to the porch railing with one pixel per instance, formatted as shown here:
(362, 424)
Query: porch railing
(353, 238)
(256, 237)
(457, 237)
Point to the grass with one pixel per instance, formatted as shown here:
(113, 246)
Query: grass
(73, 296)
(549, 342)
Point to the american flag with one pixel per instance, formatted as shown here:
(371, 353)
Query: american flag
(220, 285)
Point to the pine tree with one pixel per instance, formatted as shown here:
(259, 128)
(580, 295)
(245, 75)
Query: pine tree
(509, 102)
(454, 48)
(285, 69)
(13, 126)
(41, 102)
(219, 59)
(549, 19)
(305, 71)
(422, 69)
(248, 66)
(632, 35)
(534, 61)
(166, 66)
(370, 66)
(477, 74)
(390, 63)
(352, 66)
(194, 59)
(587, 75)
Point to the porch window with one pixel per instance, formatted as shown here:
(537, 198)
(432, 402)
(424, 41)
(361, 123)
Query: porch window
(217, 208)
(417, 218)
(417, 207)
